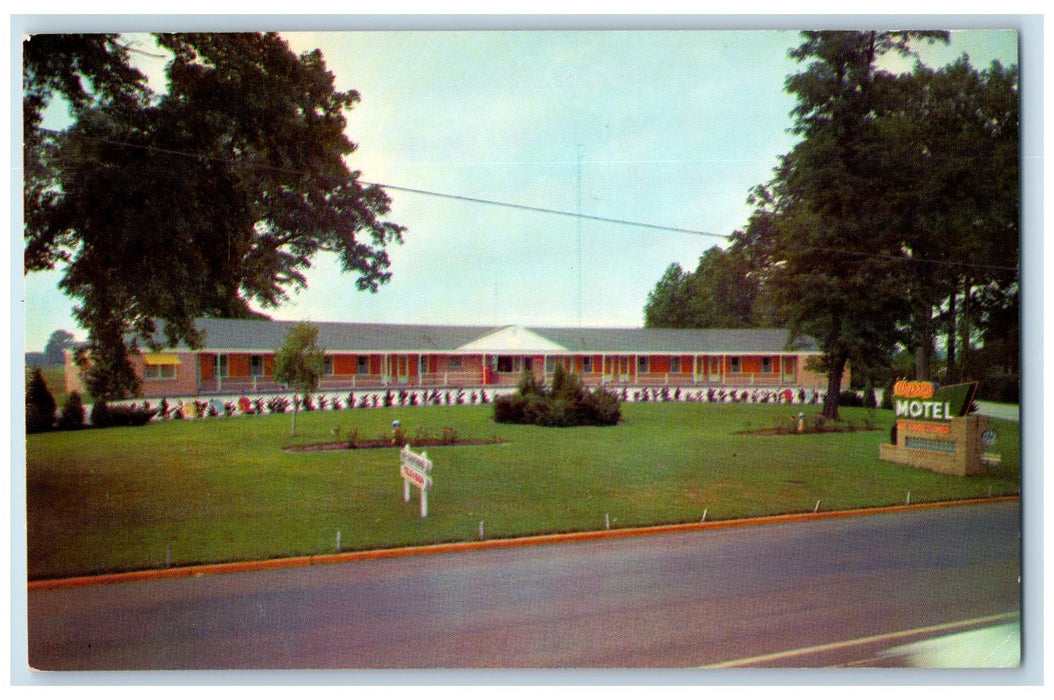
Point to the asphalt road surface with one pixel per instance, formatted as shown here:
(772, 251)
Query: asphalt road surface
(840, 591)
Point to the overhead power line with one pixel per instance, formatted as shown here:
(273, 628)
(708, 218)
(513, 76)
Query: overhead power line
(545, 210)
(579, 215)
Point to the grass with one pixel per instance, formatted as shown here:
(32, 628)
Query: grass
(189, 492)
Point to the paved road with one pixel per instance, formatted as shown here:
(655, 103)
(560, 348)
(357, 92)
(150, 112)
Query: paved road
(789, 595)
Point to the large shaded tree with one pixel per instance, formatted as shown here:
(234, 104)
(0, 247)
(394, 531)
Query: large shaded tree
(206, 200)
(956, 137)
(836, 271)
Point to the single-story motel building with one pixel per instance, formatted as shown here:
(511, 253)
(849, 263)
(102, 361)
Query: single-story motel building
(237, 357)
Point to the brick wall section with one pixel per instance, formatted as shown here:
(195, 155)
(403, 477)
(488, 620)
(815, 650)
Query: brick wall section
(185, 383)
(963, 433)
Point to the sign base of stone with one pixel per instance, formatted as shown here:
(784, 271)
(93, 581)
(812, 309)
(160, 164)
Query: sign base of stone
(953, 447)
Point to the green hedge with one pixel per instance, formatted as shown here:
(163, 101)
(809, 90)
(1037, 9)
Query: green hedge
(567, 404)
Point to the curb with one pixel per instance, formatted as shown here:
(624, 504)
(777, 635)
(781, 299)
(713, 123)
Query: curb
(454, 547)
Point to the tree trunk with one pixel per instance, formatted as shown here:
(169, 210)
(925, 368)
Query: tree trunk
(964, 326)
(834, 386)
(924, 354)
(952, 328)
(296, 405)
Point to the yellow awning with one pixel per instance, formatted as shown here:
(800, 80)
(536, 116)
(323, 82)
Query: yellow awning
(158, 359)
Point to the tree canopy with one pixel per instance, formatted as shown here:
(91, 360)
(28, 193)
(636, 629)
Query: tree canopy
(204, 200)
(720, 293)
(893, 220)
(300, 362)
(59, 341)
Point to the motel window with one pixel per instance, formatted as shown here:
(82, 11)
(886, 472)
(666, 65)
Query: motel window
(256, 366)
(329, 365)
(735, 364)
(455, 363)
(675, 365)
(362, 365)
(551, 363)
(159, 372)
(224, 367)
(507, 363)
(766, 364)
(587, 364)
(642, 365)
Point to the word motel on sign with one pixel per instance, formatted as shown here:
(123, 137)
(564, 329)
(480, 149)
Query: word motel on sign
(932, 410)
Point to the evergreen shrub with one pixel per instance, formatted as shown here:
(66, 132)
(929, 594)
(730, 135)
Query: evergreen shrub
(40, 404)
(568, 403)
(72, 417)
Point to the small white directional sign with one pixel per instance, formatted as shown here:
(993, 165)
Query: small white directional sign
(414, 468)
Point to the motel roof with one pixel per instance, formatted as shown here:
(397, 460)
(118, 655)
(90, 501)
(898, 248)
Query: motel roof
(226, 335)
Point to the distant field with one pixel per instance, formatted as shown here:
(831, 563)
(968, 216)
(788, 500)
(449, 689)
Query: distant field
(222, 489)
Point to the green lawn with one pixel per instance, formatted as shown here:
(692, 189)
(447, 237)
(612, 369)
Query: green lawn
(222, 489)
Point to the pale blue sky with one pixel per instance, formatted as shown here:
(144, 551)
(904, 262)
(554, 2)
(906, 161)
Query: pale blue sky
(670, 128)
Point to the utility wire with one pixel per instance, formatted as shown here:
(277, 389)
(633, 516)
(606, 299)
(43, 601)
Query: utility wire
(578, 215)
(544, 210)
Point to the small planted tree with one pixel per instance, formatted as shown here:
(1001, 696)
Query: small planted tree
(300, 362)
(72, 413)
(40, 404)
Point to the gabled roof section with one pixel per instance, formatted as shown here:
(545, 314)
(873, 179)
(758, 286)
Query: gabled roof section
(740, 341)
(261, 336)
(513, 339)
(232, 335)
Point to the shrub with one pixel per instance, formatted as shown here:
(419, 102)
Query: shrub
(567, 404)
(278, 404)
(100, 414)
(130, 416)
(850, 398)
(106, 416)
(72, 413)
(40, 404)
(536, 410)
(509, 408)
(604, 407)
(529, 385)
